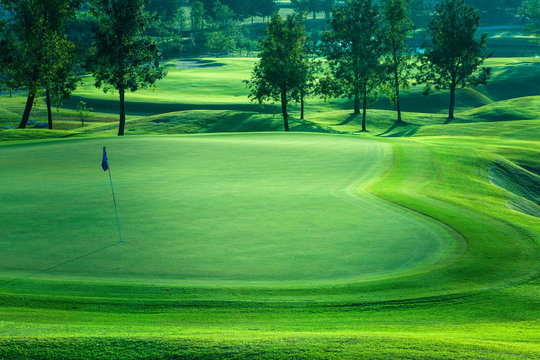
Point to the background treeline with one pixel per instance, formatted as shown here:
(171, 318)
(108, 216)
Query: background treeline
(47, 45)
(218, 27)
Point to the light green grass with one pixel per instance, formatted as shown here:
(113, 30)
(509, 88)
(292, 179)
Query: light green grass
(214, 208)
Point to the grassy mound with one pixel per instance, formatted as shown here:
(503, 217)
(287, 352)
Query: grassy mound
(526, 108)
(524, 185)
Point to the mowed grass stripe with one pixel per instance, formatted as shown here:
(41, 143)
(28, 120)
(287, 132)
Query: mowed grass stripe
(257, 208)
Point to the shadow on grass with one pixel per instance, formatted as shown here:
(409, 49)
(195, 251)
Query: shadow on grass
(408, 129)
(350, 118)
(136, 108)
(42, 271)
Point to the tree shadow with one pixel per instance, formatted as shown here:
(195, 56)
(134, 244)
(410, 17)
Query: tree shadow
(402, 124)
(350, 118)
(79, 257)
(448, 121)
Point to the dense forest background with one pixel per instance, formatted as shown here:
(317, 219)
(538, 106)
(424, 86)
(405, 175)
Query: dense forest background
(233, 27)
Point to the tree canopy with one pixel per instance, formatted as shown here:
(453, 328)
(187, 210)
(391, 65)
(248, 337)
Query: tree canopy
(353, 47)
(530, 9)
(35, 49)
(278, 75)
(454, 56)
(123, 58)
(396, 28)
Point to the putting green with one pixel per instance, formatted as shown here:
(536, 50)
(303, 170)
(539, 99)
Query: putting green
(257, 208)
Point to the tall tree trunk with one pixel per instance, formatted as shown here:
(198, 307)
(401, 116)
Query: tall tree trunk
(314, 15)
(27, 109)
(364, 109)
(302, 105)
(452, 101)
(49, 112)
(122, 124)
(398, 106)
(356, 101)
(284, 109)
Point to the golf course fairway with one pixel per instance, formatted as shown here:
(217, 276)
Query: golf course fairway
(214, 209)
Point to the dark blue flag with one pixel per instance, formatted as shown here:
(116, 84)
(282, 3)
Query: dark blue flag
(105, 162)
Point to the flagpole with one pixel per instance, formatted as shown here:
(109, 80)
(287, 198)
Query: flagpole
(115, 207)
(105, 166)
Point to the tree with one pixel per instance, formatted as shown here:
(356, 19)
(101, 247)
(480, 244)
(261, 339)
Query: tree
(167, 26)
(353, 47)
(83, 112)
(419, 11)
(453, 56)
(396, 27)
(530, 9)
(251, 8)
(308, 69)
(30, 40)
(60, 76)
(197, 23)
(307, 6)
(282, 53)
(326, 6)
(265, 8)
(6, 73)
(166, 9)
(123, 58)
(223, 30)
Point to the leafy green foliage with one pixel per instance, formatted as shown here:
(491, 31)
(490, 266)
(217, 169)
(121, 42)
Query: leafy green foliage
(35, 51)
(123, 58)
(307, 6)
(242, 8)
(353, 47)
(453, 57)
(167, 10)
(398, 62)
(531, 10)
(197, 15)
(221, 36)
(167, 26)
(281, 71)
(313, 6)
(83, 112)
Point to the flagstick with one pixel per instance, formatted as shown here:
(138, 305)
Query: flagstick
(115, 207)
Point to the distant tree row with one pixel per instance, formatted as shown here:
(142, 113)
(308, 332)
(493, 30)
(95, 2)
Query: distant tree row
(37, 56)
(366, 54)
